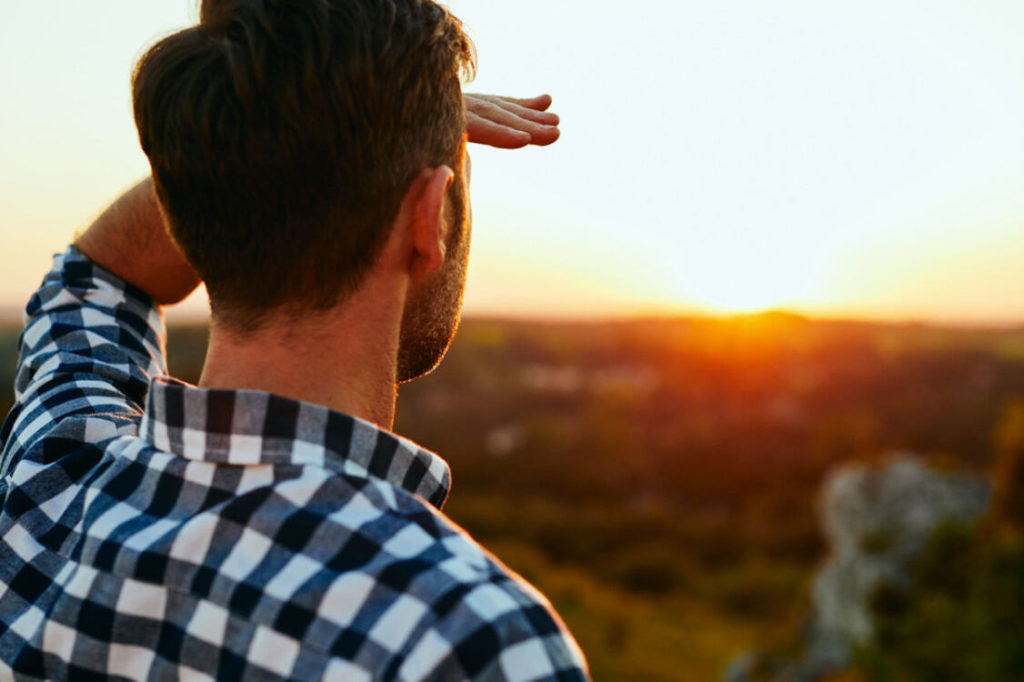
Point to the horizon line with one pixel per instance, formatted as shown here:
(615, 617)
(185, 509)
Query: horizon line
(12, 315)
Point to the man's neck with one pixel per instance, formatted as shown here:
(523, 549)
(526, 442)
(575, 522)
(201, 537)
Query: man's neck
(343, 360)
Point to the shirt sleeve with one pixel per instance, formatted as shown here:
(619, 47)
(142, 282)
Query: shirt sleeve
(91, 344)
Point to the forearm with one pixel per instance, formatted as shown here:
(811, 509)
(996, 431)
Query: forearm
(130, 240)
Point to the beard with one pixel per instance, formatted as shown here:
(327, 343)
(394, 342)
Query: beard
(432, 311)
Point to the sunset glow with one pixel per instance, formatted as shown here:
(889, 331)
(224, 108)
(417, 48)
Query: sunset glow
(750, 287)
(747, 275)
(861, 159)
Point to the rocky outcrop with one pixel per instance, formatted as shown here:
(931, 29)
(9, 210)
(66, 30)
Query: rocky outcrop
(876, 520)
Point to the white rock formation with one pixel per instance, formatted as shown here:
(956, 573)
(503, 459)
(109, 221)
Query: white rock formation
(876, 520)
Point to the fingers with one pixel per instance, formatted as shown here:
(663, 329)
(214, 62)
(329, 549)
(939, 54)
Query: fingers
(482, 131)
(545, 136)
(510, 123)
(538, 103)
(510, 116)
(530, 109)
(544, 117)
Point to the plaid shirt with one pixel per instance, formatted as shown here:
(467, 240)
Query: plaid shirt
(229, 534)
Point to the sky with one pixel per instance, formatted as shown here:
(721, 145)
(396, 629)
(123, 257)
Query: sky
(837, 159)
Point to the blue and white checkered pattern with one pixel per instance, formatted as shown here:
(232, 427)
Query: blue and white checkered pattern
(229, 534)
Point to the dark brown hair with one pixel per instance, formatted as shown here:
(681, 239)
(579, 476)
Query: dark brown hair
(283, 134)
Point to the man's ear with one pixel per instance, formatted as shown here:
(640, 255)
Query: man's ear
(429, 228)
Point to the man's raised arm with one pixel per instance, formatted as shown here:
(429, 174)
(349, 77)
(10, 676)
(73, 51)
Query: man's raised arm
(94, 334)
(129, 239)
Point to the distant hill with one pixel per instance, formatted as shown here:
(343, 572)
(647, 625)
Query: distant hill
(11, 315)
(735, 341)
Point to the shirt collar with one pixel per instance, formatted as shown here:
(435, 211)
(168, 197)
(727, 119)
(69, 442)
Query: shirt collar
(243, 427)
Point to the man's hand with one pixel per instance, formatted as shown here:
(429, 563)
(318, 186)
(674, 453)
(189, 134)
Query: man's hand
(508, 122)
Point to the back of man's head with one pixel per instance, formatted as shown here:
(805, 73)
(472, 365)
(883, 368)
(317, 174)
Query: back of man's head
(283, 134)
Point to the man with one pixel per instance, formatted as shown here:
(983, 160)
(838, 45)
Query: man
(308, 158)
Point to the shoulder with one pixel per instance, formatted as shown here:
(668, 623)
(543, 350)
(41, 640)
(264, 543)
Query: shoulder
(412, 596)
(485, 622)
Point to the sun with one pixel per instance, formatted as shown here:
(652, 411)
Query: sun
(742, 295)
(747, 281)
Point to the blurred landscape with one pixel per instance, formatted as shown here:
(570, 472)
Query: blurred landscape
(660, 479)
